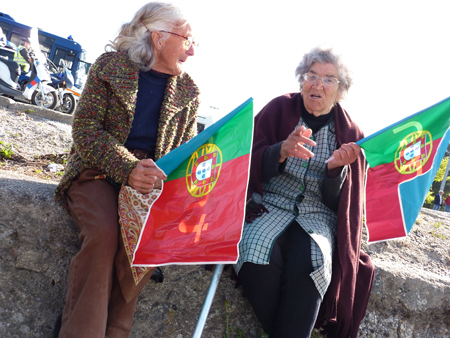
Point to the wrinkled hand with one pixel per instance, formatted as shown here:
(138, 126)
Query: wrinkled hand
(293, 145)
(346, 154)
(146, 176)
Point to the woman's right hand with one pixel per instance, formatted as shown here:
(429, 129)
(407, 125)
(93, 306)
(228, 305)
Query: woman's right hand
(293, 145)
(146, 176)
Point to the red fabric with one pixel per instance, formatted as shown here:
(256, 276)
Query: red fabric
(346, 300)
(182, 229)
(384, 213)
(447, 200)
(383, 210)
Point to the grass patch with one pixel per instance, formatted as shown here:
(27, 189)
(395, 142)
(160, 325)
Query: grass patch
(435, 234)
(6, 150)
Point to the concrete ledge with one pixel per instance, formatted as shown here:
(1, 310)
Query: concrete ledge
(35, 110)
(38, 240)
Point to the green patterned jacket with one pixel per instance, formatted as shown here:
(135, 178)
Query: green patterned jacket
(104, 115)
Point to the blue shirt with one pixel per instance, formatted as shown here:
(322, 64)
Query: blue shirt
(144, 129)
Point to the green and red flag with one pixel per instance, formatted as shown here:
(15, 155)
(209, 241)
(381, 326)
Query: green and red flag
(199, 214)
(403, 161)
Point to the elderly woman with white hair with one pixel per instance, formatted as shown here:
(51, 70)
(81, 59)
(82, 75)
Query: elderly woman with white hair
(300, 263)
(138, 104)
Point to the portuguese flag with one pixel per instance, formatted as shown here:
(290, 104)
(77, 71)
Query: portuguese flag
(403, 161)
(198, 217)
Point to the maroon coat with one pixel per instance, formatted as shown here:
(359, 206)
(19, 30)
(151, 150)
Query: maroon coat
(346, 300)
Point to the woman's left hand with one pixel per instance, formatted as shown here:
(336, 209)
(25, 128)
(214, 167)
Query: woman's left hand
(293, 145)
(346, 154)
(146, 176)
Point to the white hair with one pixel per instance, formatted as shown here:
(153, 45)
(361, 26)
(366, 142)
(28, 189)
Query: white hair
(135, 36)
(319, 55)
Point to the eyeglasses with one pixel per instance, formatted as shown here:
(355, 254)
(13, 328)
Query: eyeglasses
(329, 81)
(189, 41)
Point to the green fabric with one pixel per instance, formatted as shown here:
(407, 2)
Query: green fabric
(380, 148)
(230, 139)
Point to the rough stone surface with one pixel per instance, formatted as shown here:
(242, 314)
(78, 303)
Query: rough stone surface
(410, 297)
(37, 241)
(411, 293)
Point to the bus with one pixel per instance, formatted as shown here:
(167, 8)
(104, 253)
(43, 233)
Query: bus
(54, 47)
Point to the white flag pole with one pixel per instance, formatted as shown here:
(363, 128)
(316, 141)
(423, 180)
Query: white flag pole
(208, 301)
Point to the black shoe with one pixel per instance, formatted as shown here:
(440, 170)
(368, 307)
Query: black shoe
(158, 276)
(57, 327)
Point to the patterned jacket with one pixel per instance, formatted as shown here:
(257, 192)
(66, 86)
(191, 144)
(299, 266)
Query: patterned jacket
(105, 113)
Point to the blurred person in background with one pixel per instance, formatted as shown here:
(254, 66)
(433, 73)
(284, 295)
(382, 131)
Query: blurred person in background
(438, 199)
(447, 204)
(22, 55)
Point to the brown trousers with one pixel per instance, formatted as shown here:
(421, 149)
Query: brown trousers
(101, 293)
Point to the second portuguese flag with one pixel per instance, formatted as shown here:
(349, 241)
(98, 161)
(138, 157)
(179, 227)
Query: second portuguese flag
(403, 160)
(199, 215)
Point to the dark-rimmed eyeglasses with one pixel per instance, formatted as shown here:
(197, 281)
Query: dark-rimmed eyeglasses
(329, 81)
(189, 41)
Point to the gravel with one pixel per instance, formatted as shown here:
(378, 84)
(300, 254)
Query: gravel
(35, 143)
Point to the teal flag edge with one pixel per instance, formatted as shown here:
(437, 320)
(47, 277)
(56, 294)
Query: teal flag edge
(413, 192)
(360, 142)
(176, 157)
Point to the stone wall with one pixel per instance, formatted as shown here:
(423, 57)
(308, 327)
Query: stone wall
(410, 298)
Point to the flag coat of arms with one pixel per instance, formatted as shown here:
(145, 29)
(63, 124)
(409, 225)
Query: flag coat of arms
(198, 216)
(403, 161)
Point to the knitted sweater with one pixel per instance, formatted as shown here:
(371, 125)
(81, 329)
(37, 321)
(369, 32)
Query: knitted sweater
(105, 113)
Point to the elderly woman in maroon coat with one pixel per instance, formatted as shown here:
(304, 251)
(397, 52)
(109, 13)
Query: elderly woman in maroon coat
(300, 263)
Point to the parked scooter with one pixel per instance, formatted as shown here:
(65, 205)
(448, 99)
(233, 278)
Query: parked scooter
(63, 82)
(36, 89)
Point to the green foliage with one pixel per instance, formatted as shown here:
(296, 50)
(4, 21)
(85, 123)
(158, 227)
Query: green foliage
(429, 199)
(228, 327)
(314, 334)
(239, 333)
(436, 225)
(435, 234)
(440, 174)
(5, 150)
(435, 187)
(226, 334)
(264, 335)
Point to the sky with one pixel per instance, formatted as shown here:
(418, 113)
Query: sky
(397, 50)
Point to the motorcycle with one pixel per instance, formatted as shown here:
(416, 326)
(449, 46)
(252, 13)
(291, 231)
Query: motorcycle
(63, 82)
(36, 88)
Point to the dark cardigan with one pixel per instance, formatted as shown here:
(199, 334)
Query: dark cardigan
(345, 302)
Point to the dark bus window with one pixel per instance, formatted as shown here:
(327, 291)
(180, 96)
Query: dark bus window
(64, 55)
(46, 44)
(19, 33)
(5, 28)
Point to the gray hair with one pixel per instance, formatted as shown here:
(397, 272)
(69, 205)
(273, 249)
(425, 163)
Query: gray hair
(319, 55)
(135, 36)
